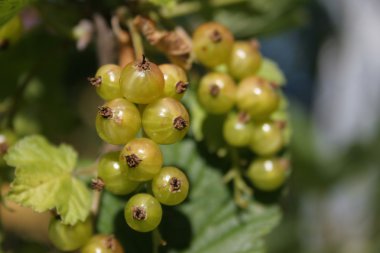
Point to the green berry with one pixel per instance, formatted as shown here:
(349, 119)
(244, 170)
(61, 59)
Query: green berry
(267, 174)
(170, 186)
(142, 82)
(118, 121)
(257, 97)
(106, 81)
(245, 59)
(267, 138)
(217, 92)
(113, 175)
(102, 244)
(142, 158)
(212, 44)
(66, 237)
(176, 82)
(143, 212)
(165, 121)
(237, 129)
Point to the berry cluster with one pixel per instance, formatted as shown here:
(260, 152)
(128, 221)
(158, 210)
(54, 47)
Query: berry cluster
(251, 103)
(141, 99)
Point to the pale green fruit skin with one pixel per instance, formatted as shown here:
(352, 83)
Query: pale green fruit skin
(141, 86)
(224, 100)
(267, 138)
(67, 237)
(110, 87)
(245, 60)
(209, 52)
(151, 159)
(162, 190)
(99, 244)
(11, 31)
(158, 119)
(267, 174)
(153, 212)
(172, 75)
(235, 132)
(257, 97)
(122, 126)
(115, 175)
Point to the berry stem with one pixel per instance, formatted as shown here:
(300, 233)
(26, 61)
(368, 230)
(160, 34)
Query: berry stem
(157, 240)
(242, 192)
(136, 39)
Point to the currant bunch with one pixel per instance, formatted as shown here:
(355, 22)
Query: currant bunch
(142, 111)
(250, 104)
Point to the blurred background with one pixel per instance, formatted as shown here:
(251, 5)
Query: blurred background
(329, 51)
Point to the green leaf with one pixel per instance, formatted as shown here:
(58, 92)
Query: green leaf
(43, 179)
(9, 8)
(270, 71)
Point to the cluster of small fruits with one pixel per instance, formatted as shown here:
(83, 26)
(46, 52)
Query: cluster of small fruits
(251, 103)
(140, 99)
(162, 119)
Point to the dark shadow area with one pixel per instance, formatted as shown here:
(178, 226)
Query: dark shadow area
(175, 229)
(132, 241)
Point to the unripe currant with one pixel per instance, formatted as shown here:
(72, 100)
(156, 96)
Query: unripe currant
(176, 82)
(106, 81)
(217, 92)
(267, 138)
(257, 97)
(170, 186)
(118, 121)
(143, 212)
(113, 175)
(165, 121)
(69, 237)
(102, 244)
(237, 129)
(268, 174)
(212, 44)
(142, 82)
(245, 59)
(143, 159)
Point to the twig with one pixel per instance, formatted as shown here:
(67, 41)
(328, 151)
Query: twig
(136, 39)
(157, 240)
